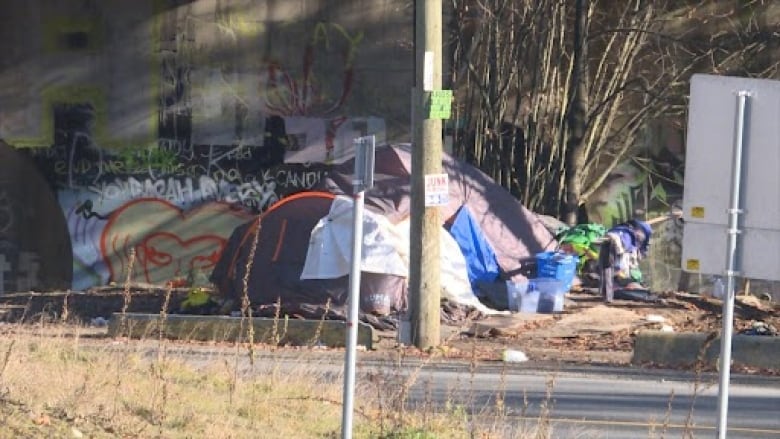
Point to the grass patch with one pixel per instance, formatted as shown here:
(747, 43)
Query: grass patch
(57, 382)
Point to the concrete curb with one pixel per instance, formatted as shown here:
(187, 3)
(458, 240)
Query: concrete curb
(295, 332)
(684, 349)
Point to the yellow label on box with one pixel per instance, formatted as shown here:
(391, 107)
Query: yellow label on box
(697, 212)
(692, 265)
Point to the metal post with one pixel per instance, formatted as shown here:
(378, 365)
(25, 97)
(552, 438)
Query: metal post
(732, 266)
(352, 319)
(364, 179)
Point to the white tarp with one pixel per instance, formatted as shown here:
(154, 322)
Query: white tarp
(330, 245)
(385, 250)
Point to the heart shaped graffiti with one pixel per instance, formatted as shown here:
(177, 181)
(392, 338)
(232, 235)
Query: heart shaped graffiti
(168, 242)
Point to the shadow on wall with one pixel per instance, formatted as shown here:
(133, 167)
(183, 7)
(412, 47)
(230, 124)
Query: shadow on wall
(35, 248)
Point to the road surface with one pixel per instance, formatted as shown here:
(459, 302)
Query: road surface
(602, 405)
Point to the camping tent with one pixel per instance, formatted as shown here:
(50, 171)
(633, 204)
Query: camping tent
(267, 263)
(513, 232)
(385, 250)
(302, 256)
(289, 229)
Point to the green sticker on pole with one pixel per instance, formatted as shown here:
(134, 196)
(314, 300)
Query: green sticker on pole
(440, 104)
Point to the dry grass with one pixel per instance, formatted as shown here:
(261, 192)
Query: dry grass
(57, 381)
(52, 385)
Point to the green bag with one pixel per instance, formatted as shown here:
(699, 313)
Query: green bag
(583, 239)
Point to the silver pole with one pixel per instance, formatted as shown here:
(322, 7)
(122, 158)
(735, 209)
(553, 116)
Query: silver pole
(354, 305)
(731, 267)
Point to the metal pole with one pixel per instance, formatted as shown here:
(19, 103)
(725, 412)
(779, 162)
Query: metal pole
(354, 305)
(732, 266)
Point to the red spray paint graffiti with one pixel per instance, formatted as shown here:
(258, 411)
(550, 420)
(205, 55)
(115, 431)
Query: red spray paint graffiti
(288, 96)
(168, 242)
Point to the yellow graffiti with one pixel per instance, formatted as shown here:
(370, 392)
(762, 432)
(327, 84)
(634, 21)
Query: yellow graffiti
(236, 26)
(69, 35)
(79, 37)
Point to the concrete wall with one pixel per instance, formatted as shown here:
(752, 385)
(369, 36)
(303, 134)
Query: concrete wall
(160, 125)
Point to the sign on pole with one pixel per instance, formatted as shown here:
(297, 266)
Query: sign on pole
(437, 190)
(713, 124)
(732, 193)
(365, 148)
(439, 105)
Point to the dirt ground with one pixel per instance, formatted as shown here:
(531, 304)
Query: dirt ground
(588, 331)
(592, 332)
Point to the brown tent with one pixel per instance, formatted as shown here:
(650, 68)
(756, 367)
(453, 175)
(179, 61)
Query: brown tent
(514, 232)
(279, 257)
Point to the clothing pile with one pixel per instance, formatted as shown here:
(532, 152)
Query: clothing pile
(621, 250)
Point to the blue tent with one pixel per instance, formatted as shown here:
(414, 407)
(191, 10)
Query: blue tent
(480, 258)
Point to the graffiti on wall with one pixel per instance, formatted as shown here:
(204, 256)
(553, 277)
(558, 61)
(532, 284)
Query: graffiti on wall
(292, 104)
(163, 135)
(168, 243)
(174, 205)
(649, 183)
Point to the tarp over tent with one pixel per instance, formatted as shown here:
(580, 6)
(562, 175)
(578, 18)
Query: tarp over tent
(283, 242)
(514, 232)
(479, 255)
(385, 250)
(274, 273)
(301, 259)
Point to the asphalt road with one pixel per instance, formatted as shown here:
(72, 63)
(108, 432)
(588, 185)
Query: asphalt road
(602, 405)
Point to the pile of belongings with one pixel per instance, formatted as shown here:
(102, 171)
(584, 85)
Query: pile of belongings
(583, 240)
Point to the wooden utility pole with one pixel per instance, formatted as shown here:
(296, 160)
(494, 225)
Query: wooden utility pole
(424, 272)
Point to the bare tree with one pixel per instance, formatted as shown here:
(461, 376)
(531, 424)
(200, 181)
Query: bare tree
(553, 94)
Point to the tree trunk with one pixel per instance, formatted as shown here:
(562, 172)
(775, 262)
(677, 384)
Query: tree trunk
(576, 117)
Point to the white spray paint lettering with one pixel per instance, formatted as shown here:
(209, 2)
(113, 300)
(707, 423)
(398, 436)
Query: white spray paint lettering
(254, 194)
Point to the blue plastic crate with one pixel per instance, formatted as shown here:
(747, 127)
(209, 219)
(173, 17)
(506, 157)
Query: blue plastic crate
(557, 265)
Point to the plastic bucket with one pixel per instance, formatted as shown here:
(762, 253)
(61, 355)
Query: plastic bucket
(514, 291)
(529, 302)
(551, 295)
